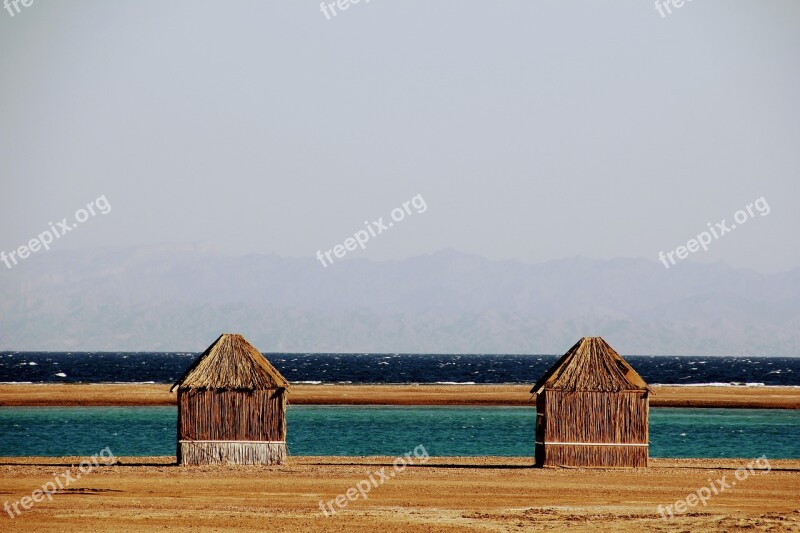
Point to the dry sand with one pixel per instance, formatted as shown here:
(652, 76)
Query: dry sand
(52, 394)
(446, 494)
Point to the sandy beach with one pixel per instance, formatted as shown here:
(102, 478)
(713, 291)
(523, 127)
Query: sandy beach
(444, 494)
(509, 395)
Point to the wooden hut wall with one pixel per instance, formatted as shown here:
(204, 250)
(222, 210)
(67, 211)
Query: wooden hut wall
(600, 456)
(592, 417)
(240, 453)
(232, 415)
(596, 416)
(541, 401)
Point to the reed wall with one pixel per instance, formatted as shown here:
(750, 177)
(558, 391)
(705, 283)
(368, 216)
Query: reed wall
(230, 415)
(599, 418)
(238, 453)
(593, 456)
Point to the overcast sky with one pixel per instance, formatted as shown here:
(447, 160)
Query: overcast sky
(533, 130)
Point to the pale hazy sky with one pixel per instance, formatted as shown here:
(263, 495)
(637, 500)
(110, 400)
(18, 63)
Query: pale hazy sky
(534, 130)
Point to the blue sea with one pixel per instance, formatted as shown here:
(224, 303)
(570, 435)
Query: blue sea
(379, 430)
(392, 431)
(167, 367)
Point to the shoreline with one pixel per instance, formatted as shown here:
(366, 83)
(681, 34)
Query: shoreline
(116, 394)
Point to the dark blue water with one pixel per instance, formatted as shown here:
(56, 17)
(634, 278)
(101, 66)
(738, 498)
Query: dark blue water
(392, 431)
(109, 367)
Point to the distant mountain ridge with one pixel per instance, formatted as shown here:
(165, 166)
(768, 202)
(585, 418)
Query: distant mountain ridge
(182, 297)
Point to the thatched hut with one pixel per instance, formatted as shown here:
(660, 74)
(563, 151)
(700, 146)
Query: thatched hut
(231, 407)
(591, 410)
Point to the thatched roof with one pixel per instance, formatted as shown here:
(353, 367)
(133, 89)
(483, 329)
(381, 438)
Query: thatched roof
(231, 363)
(591, 365)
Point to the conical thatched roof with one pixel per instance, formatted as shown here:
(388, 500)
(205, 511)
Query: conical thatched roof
(591, 365)
(231, 363)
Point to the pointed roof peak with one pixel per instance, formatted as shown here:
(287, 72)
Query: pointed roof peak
(231, 363)
(591, 365)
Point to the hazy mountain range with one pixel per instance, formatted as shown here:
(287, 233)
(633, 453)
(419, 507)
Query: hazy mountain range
(181, 297)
